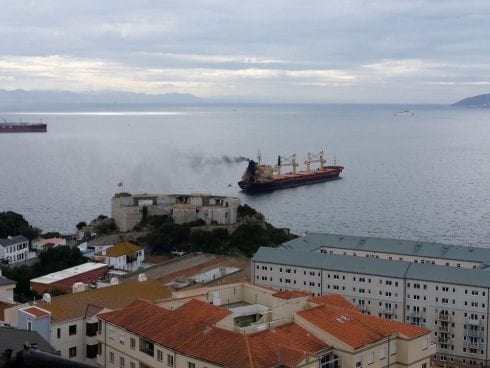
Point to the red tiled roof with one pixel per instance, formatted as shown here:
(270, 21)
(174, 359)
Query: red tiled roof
(190, 329)
(334, 299)
(35, 311)
(353, 327)
(291, 294)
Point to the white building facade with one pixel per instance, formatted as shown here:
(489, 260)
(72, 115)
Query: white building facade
(14, 249)
(449, 296)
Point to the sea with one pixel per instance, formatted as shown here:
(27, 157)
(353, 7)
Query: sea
(421, 175)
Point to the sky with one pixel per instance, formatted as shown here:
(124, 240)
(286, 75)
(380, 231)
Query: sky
(331, 51)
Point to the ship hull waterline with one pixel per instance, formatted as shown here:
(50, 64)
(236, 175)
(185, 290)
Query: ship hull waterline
(276, 184)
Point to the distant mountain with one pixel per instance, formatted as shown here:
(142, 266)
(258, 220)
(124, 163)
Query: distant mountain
(20, 96)
(475, 101)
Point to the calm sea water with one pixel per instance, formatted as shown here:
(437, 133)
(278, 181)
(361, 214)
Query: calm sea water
(423, 177)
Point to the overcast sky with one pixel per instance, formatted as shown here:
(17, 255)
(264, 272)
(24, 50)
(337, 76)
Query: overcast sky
(306, 51)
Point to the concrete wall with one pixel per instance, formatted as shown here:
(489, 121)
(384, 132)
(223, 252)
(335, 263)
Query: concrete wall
(39, 324)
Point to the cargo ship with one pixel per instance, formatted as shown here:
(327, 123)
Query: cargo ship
(260, 177)
(8, 127)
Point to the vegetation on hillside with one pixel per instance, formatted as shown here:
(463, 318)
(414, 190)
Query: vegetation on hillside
(12, 224)
(252, 232)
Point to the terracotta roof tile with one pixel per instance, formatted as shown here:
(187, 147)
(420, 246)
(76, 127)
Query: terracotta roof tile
(334, 299)
(291, 294)
(191, 330)
(73, 306)
(353, 327)
(35, 311)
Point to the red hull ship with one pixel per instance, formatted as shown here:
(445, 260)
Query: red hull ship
(260, 178)
(6, 127)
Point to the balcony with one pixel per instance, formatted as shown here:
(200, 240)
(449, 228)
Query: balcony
(386, 310)
(471, 344)
(444, 340)
(443, 328)
(147, 347)
(473, 322)
(473, 333)
(416, 314)
(443, 317)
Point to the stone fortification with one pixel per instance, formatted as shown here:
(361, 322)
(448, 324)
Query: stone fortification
(127, 209)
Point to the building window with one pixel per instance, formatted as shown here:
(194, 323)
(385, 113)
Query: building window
(92, 351)
(170, 360)
(72, 330)
(359, 365)
(370, 358)
(132, 365)
(29, 325)
(132, 343)
(122, 362)
(382, 353)
(159, 355)
(91, 329)
(111, 357)
(191, 365)
(72, 352)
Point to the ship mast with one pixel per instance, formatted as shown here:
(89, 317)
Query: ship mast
(310, 158)
(259, 157)
(290, 161)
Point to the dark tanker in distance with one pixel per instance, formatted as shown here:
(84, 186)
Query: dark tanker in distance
(8, 127)
(260, 177)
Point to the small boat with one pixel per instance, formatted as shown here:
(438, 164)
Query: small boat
(260, 177)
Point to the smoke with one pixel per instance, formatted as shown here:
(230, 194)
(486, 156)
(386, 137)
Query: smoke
(200, 161)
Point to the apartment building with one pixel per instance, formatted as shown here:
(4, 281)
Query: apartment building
(124, 256)
(14, 249)
(69, 321)
(406, 282)
(242, 325)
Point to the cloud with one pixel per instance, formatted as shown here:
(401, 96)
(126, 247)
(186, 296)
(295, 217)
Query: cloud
(218, 47)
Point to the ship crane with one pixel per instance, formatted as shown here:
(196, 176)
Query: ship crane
(290, 161)
(315, 158)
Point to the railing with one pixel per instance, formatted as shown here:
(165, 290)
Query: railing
(385, 310)
(472, 344)
(473, 322)
(416, 314)
(444, 340)
(473, 333)
(444, 328)
(443, 317)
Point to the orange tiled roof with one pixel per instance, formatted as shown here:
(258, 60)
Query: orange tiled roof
(291, 294)
(121, 249)
(73, 306)
(334, 299)
(35, 311)
(353, 327)
(190, 329)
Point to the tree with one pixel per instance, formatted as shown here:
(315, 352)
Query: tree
(81, 225)
(12, 224)
(50, 234)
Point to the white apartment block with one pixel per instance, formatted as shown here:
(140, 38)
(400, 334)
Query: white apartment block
(14, 249)
(445, 289)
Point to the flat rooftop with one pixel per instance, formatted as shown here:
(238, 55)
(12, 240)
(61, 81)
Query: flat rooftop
(69, 272)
